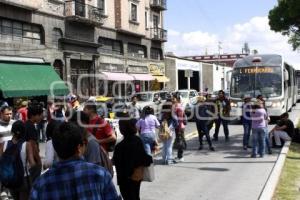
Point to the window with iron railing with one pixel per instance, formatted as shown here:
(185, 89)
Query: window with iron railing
(11, 30)
(111, 46)
(156, 54)
(136, 50)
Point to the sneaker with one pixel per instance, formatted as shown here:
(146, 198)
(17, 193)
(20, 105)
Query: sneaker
(180, 160)
(253, 156)
(212, 148)
(227, 139)
(170, 162)
(245, 147)
(200, 147)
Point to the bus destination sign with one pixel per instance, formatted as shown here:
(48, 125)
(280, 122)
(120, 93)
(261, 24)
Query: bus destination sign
(256, 70)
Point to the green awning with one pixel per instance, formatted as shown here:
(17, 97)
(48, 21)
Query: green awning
(24, 80)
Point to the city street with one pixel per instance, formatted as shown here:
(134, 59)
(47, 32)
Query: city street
(228, 173)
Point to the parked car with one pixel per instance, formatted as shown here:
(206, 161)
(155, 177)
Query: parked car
(154, 99)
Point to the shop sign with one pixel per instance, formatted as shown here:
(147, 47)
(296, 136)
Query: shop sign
(133, 69)
(111, 67)
(187, 65)
(157, 70)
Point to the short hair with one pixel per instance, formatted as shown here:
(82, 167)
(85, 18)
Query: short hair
(79, 118)
(259, 96)
(284, 115)
(3, 108)
(148, 110)
(176, 95)
(34, 109)
(51, 126)
(18, 129)
(127, 125)
(90, 105)
(221, 91)
(66, 138)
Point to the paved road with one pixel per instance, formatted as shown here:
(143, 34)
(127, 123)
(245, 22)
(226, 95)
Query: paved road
(227, 174)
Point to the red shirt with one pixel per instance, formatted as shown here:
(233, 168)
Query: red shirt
(101, 129)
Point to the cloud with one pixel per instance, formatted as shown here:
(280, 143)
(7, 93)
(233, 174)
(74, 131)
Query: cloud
(256, 32)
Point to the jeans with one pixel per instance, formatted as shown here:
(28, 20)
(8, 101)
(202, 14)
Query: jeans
(259, 136)
(202, 129)
(267, 140)
(247, 130)
(148, 141)
(225, 126)
(167, 149)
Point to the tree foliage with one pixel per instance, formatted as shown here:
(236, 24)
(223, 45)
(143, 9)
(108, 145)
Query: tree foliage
(285, 18)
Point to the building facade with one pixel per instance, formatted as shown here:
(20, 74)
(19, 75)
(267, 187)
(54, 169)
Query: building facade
(222, 59)
(88, 42)
(201, 75)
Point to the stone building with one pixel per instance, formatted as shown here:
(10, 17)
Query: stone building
(89, 41)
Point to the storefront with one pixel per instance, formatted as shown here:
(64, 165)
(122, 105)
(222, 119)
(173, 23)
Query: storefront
(19, 79)
(113, 82)
(188, 74)
(158, 72)
(141, 77)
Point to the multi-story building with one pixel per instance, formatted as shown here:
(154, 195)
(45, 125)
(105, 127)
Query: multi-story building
(120, 40)
(132, 39)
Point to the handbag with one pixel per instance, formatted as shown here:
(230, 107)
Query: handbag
(138, 174)
(149, 173)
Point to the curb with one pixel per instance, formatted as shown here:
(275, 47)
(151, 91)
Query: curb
(273, 179)
(271, 184)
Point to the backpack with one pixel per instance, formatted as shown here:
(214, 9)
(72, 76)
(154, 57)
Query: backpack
(105, 161)
(164, 132)
(11, 166)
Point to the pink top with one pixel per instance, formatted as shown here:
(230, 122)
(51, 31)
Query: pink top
(180, 115)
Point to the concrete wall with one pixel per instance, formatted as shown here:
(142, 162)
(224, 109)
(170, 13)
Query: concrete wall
(207, 76)
(171, 73)
(109, 21)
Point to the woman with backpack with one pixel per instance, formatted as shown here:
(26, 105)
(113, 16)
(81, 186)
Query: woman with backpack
(167, 133)
(146, 126)
(18, 153)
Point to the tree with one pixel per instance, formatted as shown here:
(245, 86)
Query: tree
(285, 18)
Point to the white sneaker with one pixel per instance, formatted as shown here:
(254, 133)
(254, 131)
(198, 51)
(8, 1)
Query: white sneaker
(180, 160)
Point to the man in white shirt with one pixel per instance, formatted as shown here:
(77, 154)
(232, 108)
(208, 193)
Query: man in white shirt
(5, 123)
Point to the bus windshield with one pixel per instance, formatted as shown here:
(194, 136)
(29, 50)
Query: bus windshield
(253, 81)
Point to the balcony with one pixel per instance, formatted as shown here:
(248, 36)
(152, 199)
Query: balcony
(159, 34)
(158, 5)
(26, 4)
(76, 11)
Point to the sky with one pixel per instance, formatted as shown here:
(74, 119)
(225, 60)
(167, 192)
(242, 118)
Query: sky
(196, 27)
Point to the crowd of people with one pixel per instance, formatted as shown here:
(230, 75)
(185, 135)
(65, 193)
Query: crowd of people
(77, 163)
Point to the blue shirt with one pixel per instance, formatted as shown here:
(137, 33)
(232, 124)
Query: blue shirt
(74, 179)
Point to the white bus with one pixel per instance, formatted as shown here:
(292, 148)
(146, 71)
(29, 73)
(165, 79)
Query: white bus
(266, 75)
